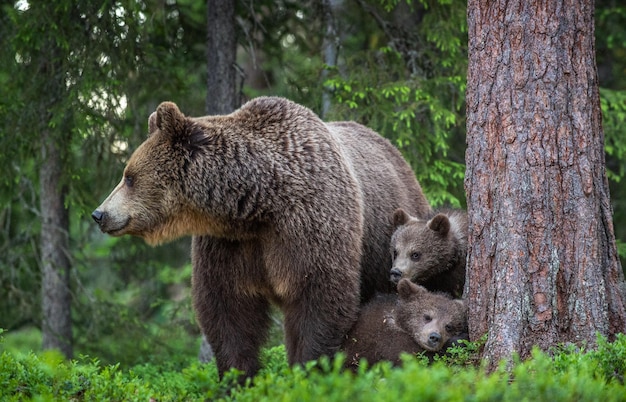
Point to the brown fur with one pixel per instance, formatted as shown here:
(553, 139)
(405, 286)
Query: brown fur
(284, 209)
(413, 321)
(430, 252)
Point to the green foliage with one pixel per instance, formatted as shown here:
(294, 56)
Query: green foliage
(607, 360)
(610, 17)
(567, 374)
(465, 353)
(93, 65)
(411, 90)
(613, 103)
(48, 377)
(621, 250)
(26, 338)
(281, 55)
(133, 314)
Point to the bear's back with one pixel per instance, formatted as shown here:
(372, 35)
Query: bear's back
(387, 182)
(273, 116)
(342, 167)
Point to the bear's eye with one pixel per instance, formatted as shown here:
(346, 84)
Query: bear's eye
(415, 256)
(395, 254)
(129, 180)
(427, 318)
(448, 328)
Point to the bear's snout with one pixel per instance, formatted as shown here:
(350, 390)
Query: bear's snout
(434, 339)
(98, 216)
(110, 223)
(395, 275)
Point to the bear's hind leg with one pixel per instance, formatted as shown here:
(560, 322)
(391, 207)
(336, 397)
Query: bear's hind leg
(313, 330)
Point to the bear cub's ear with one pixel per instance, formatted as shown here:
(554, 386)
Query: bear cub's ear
(167, 118)
(400, 217)
(461, 303)
(408, 289)
(440, 224)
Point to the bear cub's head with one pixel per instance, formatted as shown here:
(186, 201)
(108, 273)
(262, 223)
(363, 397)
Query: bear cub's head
(422, 249)
(432, 319)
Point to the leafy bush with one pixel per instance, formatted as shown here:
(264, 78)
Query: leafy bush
(566, 374)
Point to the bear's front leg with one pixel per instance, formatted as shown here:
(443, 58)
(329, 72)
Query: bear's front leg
(235, 321)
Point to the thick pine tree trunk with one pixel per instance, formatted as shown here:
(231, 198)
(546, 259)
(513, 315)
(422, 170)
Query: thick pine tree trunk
(55, 262)
(222, 89)
(542, 266)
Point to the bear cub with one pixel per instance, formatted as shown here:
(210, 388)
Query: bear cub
(412, 321)
(430, 252)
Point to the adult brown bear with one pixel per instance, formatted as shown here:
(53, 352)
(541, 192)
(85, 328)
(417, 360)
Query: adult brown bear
(284, 209)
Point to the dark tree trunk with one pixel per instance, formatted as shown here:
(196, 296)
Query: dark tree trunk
(330, 47)
(56, 326)
(542, 266)
(55, 262)
(223, 93)
(222, 90)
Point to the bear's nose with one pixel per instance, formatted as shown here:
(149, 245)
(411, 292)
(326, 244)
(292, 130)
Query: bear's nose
(434, 338)
(97, 216)
(395, 275)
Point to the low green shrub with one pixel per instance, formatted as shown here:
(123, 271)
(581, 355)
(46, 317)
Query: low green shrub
(566, 373)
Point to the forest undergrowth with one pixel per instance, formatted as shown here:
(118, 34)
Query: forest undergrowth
(566, 373)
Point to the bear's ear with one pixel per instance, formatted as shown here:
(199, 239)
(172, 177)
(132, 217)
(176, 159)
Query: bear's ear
(168, 119)
(407, 289)
(152, 124)
(461, 303)
(440, 224)
(400, 217)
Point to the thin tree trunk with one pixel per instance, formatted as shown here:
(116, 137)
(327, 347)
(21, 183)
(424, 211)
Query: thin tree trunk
(542, 265)
(222, 89)
(330, 47)
(55, 263)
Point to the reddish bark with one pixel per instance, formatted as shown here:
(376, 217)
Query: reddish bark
(543, 265)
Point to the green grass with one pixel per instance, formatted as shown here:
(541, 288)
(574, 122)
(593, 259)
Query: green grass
(566, 374)
(27, 338)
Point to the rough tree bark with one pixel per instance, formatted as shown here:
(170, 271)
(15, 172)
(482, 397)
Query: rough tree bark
(55, 263)
(222, 89)
(542, 266)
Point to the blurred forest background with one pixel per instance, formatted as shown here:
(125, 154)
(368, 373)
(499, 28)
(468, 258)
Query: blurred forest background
(79, 80)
